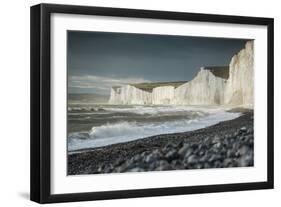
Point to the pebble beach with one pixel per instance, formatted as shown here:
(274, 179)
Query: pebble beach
(226, 144)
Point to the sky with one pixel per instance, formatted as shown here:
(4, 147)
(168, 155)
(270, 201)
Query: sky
(96, 61)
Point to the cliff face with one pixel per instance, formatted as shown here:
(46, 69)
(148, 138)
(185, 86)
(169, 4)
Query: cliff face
(240, 85)
(129, 95)
(233, 85)
(163, 95)
(204, 89)
(115, 95)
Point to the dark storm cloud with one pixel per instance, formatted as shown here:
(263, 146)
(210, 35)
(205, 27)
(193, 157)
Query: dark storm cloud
(98, 60)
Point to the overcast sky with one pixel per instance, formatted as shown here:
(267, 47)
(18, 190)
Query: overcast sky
(99, 60)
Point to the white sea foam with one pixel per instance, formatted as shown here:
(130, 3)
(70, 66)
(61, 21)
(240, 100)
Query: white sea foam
(124, 131)
(164, 109)
(145, 109)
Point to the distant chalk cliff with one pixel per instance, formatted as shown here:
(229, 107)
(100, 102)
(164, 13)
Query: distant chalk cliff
(216, 85)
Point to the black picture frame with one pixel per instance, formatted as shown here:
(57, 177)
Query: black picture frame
(41, 98)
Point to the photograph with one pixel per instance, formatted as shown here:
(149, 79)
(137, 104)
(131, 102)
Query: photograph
(133, 103)
(151, 102)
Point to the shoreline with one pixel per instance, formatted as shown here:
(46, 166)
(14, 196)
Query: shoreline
(226, 144)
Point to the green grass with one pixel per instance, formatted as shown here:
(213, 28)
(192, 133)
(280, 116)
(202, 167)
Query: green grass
(149, 86)
(219, 71)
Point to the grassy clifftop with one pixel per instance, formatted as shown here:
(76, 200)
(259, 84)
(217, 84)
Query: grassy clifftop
(149, 86)
(219, 71)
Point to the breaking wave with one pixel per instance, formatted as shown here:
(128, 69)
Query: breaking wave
(124, 131)
(141, 110)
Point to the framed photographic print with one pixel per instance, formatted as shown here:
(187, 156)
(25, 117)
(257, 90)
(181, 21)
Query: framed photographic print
(132, 103)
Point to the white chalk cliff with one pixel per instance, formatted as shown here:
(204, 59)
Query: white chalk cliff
(129, 95)
(204, 89)
(211, 86)
(163, 95)
(240, 85)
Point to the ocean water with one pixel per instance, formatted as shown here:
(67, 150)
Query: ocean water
(93, 125)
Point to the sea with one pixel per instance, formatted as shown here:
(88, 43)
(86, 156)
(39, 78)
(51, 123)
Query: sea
(92, 123)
